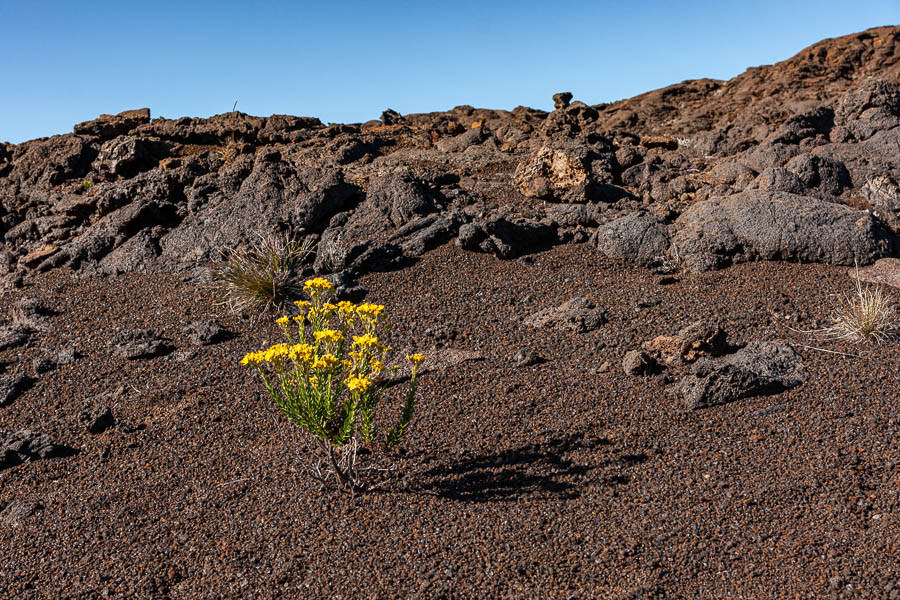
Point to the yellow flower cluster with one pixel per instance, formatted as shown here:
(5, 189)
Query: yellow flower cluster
(325, 325)
(328, 336)
(326, 361)
(356, 383)
(368, 310)
(365, 342)
(317, 285)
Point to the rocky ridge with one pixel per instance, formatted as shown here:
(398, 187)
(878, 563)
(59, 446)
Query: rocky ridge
(797, 161)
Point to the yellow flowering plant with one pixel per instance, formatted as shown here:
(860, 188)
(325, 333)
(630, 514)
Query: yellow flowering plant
(327, 378)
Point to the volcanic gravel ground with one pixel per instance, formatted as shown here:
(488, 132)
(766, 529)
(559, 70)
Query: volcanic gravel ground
(563, 479)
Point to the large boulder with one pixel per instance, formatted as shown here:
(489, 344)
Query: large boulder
(638, 238)
(873, 106)
(759, 225)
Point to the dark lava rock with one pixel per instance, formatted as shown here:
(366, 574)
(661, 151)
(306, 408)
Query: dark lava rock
(872, 107)
(25, 445)
(18, 511)
(205, 332)
(637, 238)
(399, 197)
(828, 176)
(562, 100)
(758, 225)
(638, 362)
(12, 336)
(578, 314)
(12, 386)
(779, 179)
(758, 368)
(110, 126)
(510, 236)
(43, 364)
(97, 418)
(346, 287)
(139, 343)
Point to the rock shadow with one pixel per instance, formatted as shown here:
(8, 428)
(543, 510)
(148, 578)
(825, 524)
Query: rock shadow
(546, 468)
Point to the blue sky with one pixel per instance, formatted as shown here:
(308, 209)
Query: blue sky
(67, 62)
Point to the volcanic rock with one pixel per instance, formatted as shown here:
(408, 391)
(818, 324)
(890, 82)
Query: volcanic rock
(758, 368)
(578, 315)
(12, 386)
(139, 343)
(25, 445)
(205, 332)
(757, 225)
(699, 339)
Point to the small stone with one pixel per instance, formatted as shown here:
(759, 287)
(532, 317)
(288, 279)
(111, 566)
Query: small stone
(67, 355)
(43, 364)
(578, 314)
(638, 362)
(525, 357)
(12, 386)
(139, 343)
(205, 332)
(20, 446)
(647, 302)
(17, 511)
(97, 419)
(11, 336)
(561, 100)
(604, 367)
(184, 355)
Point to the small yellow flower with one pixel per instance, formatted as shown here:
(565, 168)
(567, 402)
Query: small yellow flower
(416, 359)
(251, 358)
(377, 366)
(347, 363)
(300, 353)
(356, 383)
(365, 341)
(346, 307)
(316, 285)
(275, 353)
(299, 319)
(329, 336)
(302, 304)
(325, 361)
(370, 310)
(282, 321)
(314, 380)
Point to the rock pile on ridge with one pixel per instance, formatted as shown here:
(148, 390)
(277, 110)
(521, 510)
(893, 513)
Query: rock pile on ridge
(797, 161)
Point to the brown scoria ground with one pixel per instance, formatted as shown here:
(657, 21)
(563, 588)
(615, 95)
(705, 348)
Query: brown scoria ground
(558, 480)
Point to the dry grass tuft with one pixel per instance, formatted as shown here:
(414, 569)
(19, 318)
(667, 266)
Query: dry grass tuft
(869, 315)
(257, 278)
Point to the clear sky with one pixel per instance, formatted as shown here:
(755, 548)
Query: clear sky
(63, 62)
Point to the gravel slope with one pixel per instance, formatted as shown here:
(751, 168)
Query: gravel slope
(563, 479)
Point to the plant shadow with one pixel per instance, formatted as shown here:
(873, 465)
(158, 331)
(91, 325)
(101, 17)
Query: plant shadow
(549, 468)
